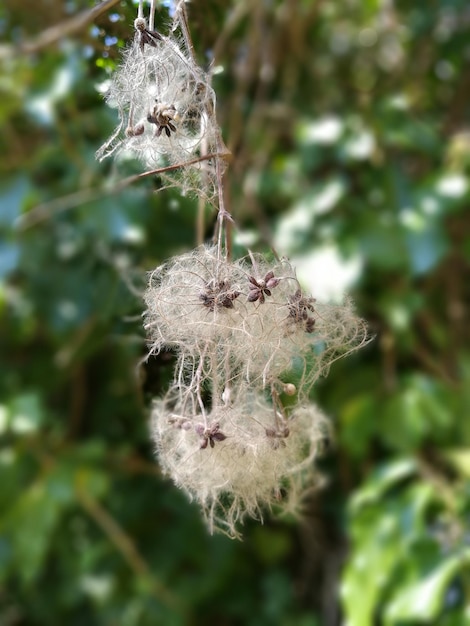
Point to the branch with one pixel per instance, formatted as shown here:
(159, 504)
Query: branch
(123, 542)
(58, 31)
(44, 211)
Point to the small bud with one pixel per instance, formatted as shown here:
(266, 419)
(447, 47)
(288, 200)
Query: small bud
(135, 131)
(289, 389)
(140, 24)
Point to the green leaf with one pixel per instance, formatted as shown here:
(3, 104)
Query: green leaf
(426, 248)
(366, 576)
(460, 459)
(11, 199)
(419, 410)
(30, 525)
(384, 478)
(26, 413)
(358, 423)
(424, 600)
(32, 519)
(383, 534)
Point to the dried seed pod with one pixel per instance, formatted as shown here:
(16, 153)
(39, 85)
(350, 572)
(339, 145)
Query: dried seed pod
(135, 131)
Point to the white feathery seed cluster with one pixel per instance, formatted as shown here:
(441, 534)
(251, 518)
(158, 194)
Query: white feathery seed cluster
(232, 461)
(166, 110)
(236, 430)
(253, 311)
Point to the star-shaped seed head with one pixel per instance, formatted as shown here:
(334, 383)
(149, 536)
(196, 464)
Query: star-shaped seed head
(261, 287)
(218, 294)
(209, 435)
(300, 307)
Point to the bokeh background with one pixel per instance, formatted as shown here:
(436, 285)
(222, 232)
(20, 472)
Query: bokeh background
(350, 132)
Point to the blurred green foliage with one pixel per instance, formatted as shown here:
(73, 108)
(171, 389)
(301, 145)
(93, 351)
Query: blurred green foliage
(349, 128)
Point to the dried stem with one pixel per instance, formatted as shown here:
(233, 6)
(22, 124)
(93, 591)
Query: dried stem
(123, 542)
(200, 221)
(58, 31)
(198, 380)
(45, 211)
(222, 236)
(152, 15)
(181, 11)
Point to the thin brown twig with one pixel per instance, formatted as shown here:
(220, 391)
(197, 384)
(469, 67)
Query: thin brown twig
(200, 216)
(434, 366)
(182, 13)
(44, 211)
(222, 231)
(181, 9)
(205, 157)
(58, 31)
(118, 537)
(200, 221)
(125, 545)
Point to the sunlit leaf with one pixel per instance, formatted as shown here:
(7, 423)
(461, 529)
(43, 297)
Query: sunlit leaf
(460, 459)
(384, 478)
(423, 601)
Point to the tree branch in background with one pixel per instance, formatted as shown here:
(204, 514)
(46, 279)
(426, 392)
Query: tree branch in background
(44, 211)
(58, 31)
(126, 546)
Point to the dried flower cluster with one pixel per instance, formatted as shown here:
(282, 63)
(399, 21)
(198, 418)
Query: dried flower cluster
(247, 338)
(166, 110)
(253, 460)
(235, 430)
(253, 311)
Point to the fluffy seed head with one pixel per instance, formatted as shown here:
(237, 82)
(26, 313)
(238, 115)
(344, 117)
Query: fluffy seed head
(240, 329)
(166, 110)
(251, 314)
(250, 461)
